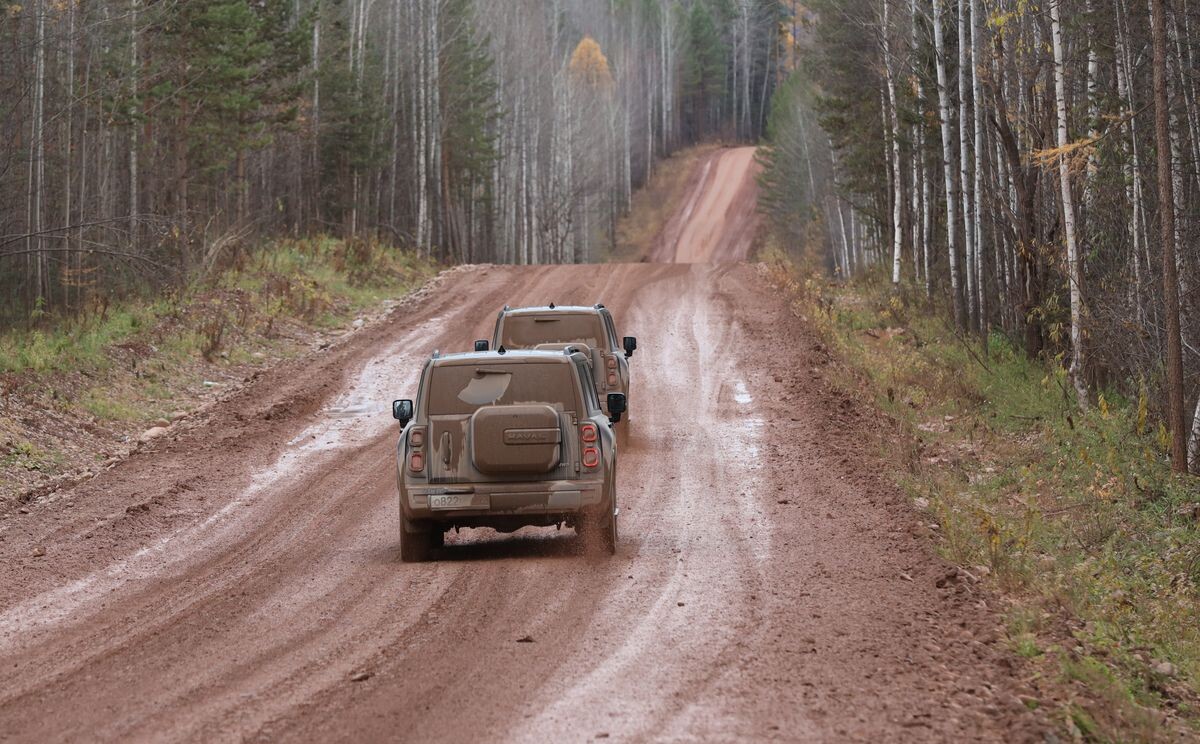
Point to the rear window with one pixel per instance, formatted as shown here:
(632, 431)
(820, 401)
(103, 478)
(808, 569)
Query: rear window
(527, 331)
(462, 389)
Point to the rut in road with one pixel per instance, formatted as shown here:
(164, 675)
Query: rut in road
(244, 582)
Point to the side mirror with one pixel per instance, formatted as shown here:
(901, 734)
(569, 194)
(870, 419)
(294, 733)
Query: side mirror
(402, 411)
(630, 344)
(481, 345)
(616, 406)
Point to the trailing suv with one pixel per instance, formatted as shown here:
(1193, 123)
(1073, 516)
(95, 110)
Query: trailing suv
(506, 439)
(590, 330)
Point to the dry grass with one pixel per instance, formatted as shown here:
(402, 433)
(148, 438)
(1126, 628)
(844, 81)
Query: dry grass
(654, 203)
(1076, 519)
(76, 392)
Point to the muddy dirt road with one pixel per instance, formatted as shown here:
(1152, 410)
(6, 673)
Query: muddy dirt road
(717, 219)
(240, 580)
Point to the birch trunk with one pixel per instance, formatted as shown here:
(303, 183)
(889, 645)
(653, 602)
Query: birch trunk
(894, 125)
(920, 196)
(964, 169)
(1074, 280)
(947, 161)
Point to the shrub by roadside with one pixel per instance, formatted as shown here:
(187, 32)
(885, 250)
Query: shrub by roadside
(77, 393)
(1075, 519)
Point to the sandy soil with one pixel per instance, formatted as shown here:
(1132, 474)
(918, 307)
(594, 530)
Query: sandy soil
(241, 581)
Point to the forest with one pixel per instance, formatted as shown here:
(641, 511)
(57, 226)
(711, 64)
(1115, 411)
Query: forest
(1031, 168)
(144, 143)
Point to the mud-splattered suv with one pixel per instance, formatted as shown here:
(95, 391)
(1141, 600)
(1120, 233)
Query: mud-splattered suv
(506, 439)
(591, 330)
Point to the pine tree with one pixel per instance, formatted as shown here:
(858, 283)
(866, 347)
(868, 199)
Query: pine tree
(703, 72)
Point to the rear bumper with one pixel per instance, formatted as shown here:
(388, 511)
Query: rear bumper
(476, 503)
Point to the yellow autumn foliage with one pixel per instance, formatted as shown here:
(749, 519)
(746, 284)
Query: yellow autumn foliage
(589, 66)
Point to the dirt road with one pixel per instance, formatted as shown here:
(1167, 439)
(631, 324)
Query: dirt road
(241, 580)
(717, 220)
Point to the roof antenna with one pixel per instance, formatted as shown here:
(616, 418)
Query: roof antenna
(551, 305)
(501, 350)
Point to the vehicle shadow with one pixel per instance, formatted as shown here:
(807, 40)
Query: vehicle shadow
(486, 545)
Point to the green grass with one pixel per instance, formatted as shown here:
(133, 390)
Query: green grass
(27, 455)
(73, 344)
(103, 405)
(319, 283)
(1076, 517)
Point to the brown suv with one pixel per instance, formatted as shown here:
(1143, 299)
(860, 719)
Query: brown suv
(506, 439)
(590, 330)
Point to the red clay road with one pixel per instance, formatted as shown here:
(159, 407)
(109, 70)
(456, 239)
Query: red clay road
(717, 220)
(240, 580)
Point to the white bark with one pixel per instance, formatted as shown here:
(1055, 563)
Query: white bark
(947, 160)
(1194, 442)
(920, 194)
(894, 126)
(1074, 279)
(964, 155)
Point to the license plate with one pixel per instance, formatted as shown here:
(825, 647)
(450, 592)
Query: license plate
(450, 501)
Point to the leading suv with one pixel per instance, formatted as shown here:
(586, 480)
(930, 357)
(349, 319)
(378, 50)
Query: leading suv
(589, 330)
(506, 439)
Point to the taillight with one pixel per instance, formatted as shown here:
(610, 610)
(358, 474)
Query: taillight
(416, 458)
(591, 457)
(612, 379)
(612, 363)
(588, 433)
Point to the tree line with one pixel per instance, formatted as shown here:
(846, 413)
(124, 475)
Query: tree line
(1032, 166)
(144, 141)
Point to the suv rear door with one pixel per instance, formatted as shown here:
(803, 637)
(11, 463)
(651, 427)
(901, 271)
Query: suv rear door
(535, 405)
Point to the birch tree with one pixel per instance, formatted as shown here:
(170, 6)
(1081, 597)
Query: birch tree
(1074, 278)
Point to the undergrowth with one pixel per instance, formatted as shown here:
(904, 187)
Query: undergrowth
(74, 391)
(319, 282)
(1076, 518)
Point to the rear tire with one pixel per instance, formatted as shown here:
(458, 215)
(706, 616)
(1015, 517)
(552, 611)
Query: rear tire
(415, 547)
(609, 537)
(599, 531)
